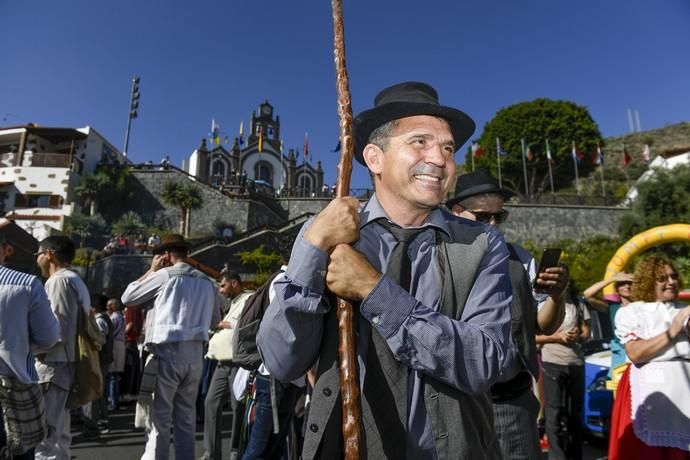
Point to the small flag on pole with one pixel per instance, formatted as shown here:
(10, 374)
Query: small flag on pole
(548, 153)
(306, 146)
(627, 158)
(529, 154)
(281, 146)
(477, 149)
(261, 139)
(577, 156)
(215, 132)
(241, 132)
(599, 156)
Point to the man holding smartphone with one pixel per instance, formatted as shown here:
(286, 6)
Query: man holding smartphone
(538, 308)
(184, 308)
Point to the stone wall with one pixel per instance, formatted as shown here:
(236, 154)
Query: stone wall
(111, 275)
(297, 207)
(218, 210)
(539, 223)
(279, 241)
(546, 224)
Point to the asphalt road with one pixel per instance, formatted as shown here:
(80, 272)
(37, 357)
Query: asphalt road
(125, 443)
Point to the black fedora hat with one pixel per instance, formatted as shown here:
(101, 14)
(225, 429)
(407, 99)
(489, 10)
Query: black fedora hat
(477, 183)
(172, 241)
(406, 100)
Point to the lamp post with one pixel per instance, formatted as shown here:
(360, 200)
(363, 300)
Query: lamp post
(133, 107)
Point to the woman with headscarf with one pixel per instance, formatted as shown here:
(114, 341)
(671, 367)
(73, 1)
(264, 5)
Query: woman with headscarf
(651, 415)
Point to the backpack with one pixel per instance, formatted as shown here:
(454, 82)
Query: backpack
(245, 351)
(87, 384)
(106, 354)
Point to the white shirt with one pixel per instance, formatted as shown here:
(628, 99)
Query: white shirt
(186, 303)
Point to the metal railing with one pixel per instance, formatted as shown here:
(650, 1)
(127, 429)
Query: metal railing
(51, 160)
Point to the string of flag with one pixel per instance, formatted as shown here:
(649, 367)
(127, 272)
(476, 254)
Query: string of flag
(597, 157)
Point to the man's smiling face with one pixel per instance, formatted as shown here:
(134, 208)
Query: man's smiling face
(418, 164)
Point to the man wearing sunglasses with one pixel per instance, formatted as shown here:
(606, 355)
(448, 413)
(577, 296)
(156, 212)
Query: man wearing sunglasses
(479, 197)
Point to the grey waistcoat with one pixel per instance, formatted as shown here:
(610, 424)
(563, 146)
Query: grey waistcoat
(462, 423)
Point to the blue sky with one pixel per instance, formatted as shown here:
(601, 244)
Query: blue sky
(69, 63)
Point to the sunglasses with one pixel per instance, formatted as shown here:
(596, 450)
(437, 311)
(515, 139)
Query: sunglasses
(41, 252)
(485, 217)
(664, 277)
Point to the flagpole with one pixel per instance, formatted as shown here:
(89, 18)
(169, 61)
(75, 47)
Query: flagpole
(524, 168)
(498, 157)
(625, 169)
(472, 155)
(577, 178)
(601, 170)
(548, 161)
(282, 170)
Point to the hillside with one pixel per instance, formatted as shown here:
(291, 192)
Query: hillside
(666, 141)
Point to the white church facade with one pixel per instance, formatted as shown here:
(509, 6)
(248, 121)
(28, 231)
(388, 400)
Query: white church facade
(258, 160)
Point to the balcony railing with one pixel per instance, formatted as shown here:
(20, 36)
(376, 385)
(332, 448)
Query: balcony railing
(50, 160)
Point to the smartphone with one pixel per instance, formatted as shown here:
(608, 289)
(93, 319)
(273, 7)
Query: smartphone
(549, 258)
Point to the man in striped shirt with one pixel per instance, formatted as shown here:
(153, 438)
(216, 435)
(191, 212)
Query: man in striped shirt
(26, 321)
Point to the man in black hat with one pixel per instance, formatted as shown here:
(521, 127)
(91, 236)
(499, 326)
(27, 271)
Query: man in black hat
(185, 307)
(432, 334)
(479, 197)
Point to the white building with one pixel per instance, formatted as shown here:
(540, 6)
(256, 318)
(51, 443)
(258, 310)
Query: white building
(39, 168)
(259, 159)
(665, 162)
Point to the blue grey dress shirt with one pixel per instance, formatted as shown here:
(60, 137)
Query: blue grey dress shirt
(468, 354)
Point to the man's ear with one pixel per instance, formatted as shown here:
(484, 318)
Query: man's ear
(373, 157)
(457, 209)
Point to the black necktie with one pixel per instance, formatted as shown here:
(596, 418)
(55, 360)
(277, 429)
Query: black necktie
(386, 381)
(399, 264)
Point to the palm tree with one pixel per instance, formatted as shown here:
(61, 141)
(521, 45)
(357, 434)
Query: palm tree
(90, 188)
(84, 226)
(129, 224)
(185, 197)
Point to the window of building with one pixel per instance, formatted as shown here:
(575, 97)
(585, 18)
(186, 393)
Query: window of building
(304, 183)
(263, 171)
(37, 201)
(218, 172)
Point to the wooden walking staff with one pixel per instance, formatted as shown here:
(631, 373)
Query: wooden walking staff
(347, 353)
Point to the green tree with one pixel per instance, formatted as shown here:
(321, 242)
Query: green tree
(84, 226)
(265, 263)
(185, 197)
(115, 197)
(129, 224)
(662, 199)
(561, 122)
(90, 188)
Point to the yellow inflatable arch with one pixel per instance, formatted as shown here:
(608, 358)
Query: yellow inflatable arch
(641, 242)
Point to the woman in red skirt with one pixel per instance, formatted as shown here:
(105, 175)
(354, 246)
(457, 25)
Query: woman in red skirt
(651, 413)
